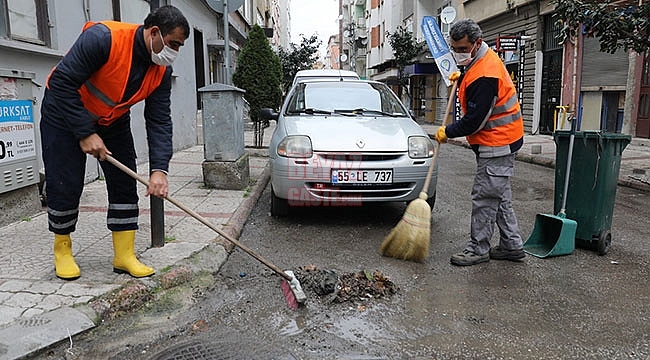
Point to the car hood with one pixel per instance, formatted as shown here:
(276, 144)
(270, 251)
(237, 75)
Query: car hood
(361, 133)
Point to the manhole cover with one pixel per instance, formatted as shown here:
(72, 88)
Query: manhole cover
(203, 350)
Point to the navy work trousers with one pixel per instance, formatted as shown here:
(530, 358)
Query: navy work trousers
(65, 168)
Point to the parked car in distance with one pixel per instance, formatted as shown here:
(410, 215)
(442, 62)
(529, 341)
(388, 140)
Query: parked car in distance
(325, 74)
(346, 143)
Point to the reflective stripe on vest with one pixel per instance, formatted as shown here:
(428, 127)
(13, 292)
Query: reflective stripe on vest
(100, 95)
(503, 120)
(103, 98)
(514, 99)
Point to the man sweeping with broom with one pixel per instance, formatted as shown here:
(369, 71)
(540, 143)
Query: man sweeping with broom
(493, 125)
(86, 110)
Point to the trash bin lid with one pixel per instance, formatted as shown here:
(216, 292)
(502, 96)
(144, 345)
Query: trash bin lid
(220, 87)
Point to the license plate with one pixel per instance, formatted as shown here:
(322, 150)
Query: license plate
(362, 176)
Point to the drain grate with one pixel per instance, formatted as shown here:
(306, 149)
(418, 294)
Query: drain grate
(202, 350)
(33, 322)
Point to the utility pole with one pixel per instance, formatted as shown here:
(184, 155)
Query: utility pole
(226, 40)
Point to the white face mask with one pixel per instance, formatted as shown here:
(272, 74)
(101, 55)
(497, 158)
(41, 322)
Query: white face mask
(464, 59)
(166, 56)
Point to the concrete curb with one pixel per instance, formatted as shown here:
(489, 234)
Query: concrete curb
(236, 222)
(139, 291)
(550, 163)
(136, 293)
(637, 185)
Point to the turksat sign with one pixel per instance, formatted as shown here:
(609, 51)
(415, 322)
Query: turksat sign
(439, 48)
(16, 130)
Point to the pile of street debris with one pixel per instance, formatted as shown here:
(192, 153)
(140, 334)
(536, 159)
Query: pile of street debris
(355, 286)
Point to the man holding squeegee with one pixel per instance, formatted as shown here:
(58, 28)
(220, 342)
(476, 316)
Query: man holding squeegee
(110, 67)
(493, 126)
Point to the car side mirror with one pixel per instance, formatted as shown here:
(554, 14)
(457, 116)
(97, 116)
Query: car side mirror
(268, 114)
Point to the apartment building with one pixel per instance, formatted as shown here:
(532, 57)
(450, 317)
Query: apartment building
(35, 34)
(606, 92)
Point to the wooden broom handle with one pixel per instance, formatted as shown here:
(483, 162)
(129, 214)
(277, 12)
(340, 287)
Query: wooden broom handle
(200, 218)
(450, 101)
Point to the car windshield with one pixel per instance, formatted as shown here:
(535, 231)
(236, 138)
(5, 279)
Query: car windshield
(345, 98)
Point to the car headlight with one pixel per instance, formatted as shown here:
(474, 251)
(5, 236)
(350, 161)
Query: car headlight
(296, 146)
(420, 147)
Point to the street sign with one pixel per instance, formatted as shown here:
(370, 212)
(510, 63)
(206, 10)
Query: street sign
(439, 48)
(506, 43)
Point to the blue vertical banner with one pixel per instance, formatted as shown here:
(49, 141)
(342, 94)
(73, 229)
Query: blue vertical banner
(439, 48)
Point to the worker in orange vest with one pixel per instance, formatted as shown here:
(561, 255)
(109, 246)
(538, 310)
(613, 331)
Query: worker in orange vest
(85, 110)
(492, 123)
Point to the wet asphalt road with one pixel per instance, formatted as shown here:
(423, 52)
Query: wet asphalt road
(579, 306)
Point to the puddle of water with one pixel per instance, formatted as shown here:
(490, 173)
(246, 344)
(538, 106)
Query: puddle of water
(288, 326)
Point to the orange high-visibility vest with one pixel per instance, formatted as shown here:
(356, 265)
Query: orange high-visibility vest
(505, 124)
(102, 93)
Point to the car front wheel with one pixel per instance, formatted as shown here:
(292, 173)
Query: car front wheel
(432, 200)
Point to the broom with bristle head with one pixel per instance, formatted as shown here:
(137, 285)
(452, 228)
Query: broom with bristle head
(410, 238)
(291, 289)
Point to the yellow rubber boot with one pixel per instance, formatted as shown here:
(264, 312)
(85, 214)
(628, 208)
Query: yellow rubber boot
(124, 260)
(66, 267)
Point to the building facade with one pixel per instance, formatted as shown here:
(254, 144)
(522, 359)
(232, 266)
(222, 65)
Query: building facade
(608, 92)
(34, 36)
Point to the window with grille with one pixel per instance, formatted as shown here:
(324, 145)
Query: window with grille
(551, 32)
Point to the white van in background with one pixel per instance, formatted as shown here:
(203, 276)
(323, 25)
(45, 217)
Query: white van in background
(325, 73)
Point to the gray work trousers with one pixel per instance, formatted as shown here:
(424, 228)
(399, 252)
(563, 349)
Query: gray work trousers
(492, 203)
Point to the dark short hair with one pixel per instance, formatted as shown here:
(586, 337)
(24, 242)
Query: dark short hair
(167, 18)
(465, 27)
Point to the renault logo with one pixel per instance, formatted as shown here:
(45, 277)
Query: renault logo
(361, 143)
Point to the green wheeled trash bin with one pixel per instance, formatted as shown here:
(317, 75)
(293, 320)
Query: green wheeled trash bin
(592, 183)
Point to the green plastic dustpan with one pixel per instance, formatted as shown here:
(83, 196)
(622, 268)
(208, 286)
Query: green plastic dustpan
(553, 235)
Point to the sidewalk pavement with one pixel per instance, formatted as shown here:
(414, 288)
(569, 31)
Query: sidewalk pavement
(37, 309)
(540, 149)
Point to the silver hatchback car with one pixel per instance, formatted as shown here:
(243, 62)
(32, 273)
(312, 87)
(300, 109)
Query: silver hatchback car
(346, 143)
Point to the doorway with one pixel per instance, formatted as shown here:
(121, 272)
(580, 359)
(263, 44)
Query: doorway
(612, 111)
(551, 75)
(551, 90)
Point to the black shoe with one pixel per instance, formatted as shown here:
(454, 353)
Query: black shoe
(499, 253)
(467, 258)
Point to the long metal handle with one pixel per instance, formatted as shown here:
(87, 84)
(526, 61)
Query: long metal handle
(452, 94)
(568, 166)
(200, 218)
